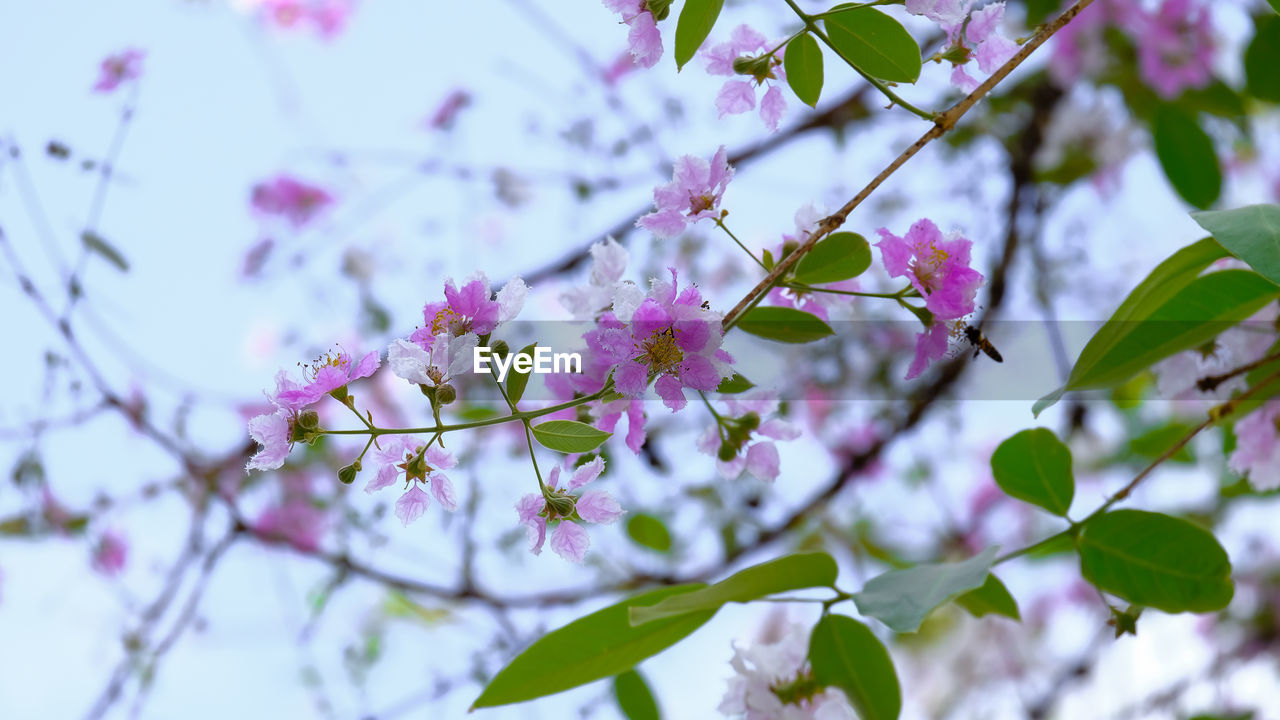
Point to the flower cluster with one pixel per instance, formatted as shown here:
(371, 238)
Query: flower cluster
(644, 38)
(118, 69)
(1175, 43)
(562, 511)
(774, 682)
(745, 54)
(276, 432)
(937, 266)
(694, 193)
(671, 338)
(740, 440)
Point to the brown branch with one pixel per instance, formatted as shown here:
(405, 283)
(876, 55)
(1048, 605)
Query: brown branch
(944, 122)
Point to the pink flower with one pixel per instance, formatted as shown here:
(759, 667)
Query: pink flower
(693, 194)
(741, 436)
(1257, 452)
(330, 373)
(296, 519)
(557, 508)
(272, 432)
(420, 465)
(110, 554)
(644, 38)
(937, 266)
(447, 112)
(739, 57)
(119, 68)
(290, 198)
(931, 345)
(1175, 47)
(670, 337)
(978, 37)
(471, 309)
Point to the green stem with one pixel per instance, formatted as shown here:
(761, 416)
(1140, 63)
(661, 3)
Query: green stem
(444, 428)
(720, 224)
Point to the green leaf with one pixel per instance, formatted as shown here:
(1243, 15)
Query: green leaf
(734, 385)
(803, 65)
(837, 257)
(94, 243)
(1155, 560)
(588, 649)
(516, 380)
(1035, 467)
(784, 325)
(992, 598)
(1142, 334)
(845, 654)
(1186, 153)
(903, 598)
(649, 531)
(697, 18)
(875, 43)
(1262, 58)
(1275, 5)
(634, 698)
(569, 436)
(1251, 233)
(789, 572)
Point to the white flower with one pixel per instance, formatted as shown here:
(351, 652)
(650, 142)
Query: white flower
(766, 665)
(448, 356)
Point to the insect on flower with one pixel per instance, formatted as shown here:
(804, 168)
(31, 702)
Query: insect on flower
(980, 343)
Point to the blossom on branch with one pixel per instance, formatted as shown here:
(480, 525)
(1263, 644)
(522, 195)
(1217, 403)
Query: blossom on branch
(693, 194)
(561, 511)
(741, 55)
(296, 201)
(644, 38)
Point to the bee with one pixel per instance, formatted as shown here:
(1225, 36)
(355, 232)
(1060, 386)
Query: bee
(980, 343)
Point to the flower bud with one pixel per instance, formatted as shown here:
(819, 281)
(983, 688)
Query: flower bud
(760, 68)
(750, 421)
(500, 349)
(308, 419)
(347, 475)
(445, 394)
(727, 452)
(559, 506)
(660, 9)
